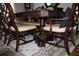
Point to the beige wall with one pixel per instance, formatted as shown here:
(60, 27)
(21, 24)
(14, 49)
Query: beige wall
(19, 7)
(65, 5)
(35, 5)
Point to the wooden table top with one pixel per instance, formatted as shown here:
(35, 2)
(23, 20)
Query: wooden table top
(37, 14)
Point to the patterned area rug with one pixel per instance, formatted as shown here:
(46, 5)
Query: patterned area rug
(31, 49)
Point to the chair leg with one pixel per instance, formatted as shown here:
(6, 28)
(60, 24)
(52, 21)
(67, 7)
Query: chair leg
(1, 33)
(6, 33)
(0, 36)
(5, 39)
(66, 44)
(76, 29)
(9, 38)
(17, 45)
(17, 42)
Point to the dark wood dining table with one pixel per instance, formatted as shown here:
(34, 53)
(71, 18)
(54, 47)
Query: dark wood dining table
(36, 14)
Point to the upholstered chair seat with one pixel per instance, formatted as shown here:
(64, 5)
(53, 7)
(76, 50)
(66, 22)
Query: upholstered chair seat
(55, 28)
(24, 27)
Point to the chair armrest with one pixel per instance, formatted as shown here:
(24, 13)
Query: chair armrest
(61, 19)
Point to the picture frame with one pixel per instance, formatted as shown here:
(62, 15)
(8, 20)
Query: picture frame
(27, 6)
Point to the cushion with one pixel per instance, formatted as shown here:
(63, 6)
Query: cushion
(55, 28)
(24, 27)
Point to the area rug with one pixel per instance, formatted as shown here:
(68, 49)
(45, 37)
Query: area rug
(31, 49)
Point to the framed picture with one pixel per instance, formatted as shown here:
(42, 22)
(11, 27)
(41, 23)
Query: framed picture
(27, 6)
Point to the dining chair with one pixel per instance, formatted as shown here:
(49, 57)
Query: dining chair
(77, 16)
(75, 7)
(0, 22)
(3, 29)
(17, 31)
(58, 28)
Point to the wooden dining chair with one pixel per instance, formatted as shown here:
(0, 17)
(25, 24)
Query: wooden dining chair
(17, 31)
(3, 31)
(75, 8)
(58, 28)
(77, 16)
(0, 22)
